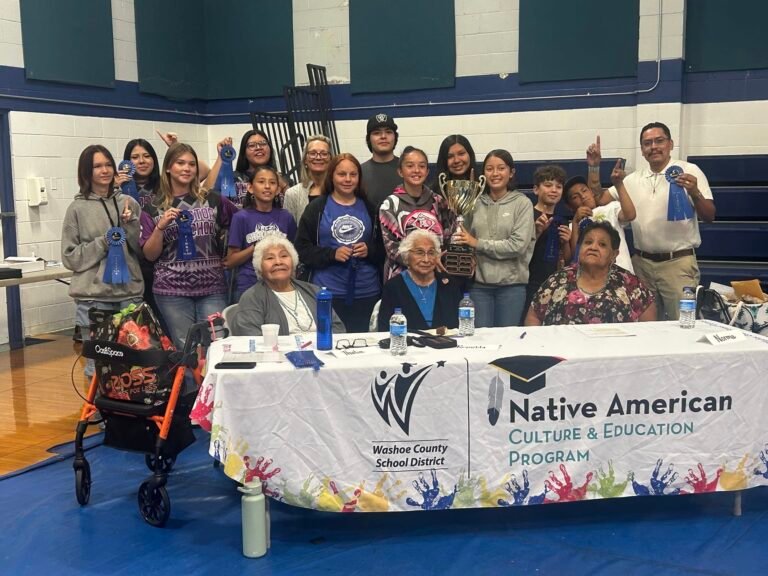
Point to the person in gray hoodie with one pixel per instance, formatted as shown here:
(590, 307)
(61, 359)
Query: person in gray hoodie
(501, 230)
(86, 240)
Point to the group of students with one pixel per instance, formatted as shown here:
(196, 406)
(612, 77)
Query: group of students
(172, 241)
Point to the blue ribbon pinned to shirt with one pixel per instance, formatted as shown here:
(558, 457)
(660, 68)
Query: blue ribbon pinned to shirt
(129, 187)
(552, 249)
(679, 207)
(116, 270)
(186, 243)
(225, 181)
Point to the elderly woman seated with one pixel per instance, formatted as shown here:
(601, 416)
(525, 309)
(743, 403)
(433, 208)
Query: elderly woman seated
(277, 297)
(426, 298)
(595, 290)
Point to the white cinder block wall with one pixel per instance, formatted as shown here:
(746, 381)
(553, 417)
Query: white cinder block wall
(487, 43)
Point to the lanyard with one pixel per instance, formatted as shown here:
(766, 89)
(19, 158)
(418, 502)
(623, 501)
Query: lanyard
(117, 212)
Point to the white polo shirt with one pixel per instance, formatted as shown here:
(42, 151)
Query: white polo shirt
(610, 213)
(649, 191)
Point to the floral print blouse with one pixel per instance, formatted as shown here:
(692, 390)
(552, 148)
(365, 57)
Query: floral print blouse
(560, 301)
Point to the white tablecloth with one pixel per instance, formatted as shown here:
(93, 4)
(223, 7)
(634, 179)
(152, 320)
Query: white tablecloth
(655, 412)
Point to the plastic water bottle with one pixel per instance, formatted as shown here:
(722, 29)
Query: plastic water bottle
(398, 333)
(324, 319)
(254, 520)
(466, 316)
(688, 308)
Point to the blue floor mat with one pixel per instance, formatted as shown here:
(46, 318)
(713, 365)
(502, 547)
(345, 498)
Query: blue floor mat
(44, 531)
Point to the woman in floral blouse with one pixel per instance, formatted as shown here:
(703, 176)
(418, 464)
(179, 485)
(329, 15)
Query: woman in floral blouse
(594, 291)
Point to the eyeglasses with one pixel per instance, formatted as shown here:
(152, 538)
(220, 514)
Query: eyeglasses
(316, 154)
(344, 344)
(428, 253)
(257, 145)
(658, 141)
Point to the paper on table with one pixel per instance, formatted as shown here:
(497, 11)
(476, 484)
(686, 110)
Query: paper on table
(603, 331)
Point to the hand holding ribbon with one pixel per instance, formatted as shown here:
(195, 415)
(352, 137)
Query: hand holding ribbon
(116, 270)
(552, 248)
(186, 249)
(128, 169)
(679, 207)
(225, 181)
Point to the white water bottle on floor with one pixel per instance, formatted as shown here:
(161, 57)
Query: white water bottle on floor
(254, 520)
(688, 308)
(398, 333)
(466, 316)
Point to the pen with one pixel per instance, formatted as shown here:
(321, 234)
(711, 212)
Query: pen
(523, 335)
(306, 345)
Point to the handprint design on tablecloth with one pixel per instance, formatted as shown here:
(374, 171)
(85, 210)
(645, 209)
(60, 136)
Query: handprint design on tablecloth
(202, 411)
(735, 479)
(764, 459)
(564, 489)
(384, 493)
(658, 484)
(260, 470)
(699, 482)
(430, 495)
(607, 485)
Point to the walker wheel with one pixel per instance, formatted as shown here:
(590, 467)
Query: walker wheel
(166, 463)
(83, 483)
(154, 505)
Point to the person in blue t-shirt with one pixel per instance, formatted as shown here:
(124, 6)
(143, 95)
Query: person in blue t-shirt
(339, 240)
(258, 218)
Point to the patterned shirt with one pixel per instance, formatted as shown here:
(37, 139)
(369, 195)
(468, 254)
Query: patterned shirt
(560, 301)
(203, 275)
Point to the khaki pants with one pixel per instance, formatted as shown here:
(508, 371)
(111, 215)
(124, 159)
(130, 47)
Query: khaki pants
(667, 280)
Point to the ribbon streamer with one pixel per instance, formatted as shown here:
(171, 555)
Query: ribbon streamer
(186, 249)
(225, 181)
(679, 207)
(352, 263)
(116, 270)
(129, 187)
(552, 249)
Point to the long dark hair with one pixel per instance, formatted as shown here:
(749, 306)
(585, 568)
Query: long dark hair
(242, 165)
(85, 167)
(249, 201)
(335, 161)
(505, 157)
(442, 157)
(154, 176)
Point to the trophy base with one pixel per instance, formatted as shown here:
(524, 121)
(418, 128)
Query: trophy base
(459, 260)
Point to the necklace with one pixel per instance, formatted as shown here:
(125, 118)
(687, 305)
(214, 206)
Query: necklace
(584, 290)
(293, 312)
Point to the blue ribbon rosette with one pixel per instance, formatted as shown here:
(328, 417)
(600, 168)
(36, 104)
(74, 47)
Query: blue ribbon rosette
(116, 271)
(225, 181)
(186, 242)
(552, 249)
(679, 207)
(130, 186)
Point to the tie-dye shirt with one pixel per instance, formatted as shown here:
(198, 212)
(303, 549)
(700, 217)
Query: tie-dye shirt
(204, 274)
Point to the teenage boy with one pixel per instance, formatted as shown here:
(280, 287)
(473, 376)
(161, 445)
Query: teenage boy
(618, 213)
(380, 177)
(552, 248)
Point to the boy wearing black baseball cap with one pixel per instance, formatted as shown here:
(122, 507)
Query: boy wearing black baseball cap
(380, 175)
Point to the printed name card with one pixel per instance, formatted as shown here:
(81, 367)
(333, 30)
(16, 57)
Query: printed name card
(723, 337)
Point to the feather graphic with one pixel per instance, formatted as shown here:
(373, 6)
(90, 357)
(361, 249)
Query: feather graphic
(495, 395)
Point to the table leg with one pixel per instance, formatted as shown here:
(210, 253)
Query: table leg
(737, 503)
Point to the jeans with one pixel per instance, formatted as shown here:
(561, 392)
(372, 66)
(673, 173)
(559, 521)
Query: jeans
(81, 319)
(497, 306)
(180, 312)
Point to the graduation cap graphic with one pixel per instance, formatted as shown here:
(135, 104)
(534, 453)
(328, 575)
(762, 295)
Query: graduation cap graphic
(527, 374)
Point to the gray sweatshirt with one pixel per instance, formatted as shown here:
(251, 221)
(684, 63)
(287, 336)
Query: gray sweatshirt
(84, 247)
(505, 235)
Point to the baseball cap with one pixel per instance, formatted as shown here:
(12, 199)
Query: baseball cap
(380, 120)
(572, 182)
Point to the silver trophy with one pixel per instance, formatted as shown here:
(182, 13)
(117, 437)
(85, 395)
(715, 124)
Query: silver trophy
(461, 196)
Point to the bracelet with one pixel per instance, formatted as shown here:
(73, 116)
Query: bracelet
(593, 169)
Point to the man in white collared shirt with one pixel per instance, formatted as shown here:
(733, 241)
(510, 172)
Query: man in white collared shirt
(665, 256)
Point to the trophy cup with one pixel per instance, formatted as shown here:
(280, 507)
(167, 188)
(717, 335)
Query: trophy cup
(461, 196)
